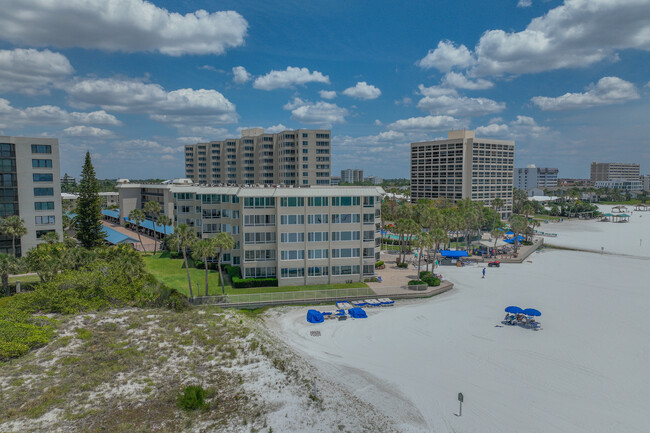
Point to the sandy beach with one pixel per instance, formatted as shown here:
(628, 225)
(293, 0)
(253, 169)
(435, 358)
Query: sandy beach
(584, 371)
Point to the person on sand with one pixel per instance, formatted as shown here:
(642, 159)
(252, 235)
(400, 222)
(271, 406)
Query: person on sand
(483, 273)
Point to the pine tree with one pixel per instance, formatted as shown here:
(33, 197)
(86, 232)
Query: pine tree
(89, 226)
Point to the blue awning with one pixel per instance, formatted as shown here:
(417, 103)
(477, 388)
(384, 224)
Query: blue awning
(111, 213)
(114, 237)
(453, 254)
(169, 230)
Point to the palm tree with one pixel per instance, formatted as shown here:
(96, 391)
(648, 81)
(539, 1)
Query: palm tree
(201, 251)
(153, 209)
(184, 238)
(164, 221)
(137, 216)
(50, 238)
(9, 265)
(496, 234)
(518, 224)
(223, 241)
(15, 227)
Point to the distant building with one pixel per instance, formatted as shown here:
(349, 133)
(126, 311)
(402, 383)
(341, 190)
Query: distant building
(109, 198)
(335, 180)
(463, 167)
(535, 177)
(622, 184)
(375, 180)
(352, 175)
(614, 171)
(68, 180)
(645, 182)
(300, 157)
(573, 182)
(31, 189)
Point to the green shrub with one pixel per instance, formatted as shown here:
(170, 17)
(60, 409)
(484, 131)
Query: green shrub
(379, 263)
(192, 398)
(242, 283)
(234, 271)
(431, 281)
(424, 274)
(416, 283)
(403, 265)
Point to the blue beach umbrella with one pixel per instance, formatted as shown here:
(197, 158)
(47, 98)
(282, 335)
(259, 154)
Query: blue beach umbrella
(532, 312)
(513, 309)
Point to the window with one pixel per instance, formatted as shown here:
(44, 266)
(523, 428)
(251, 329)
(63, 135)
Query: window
(262, 272)
(8, 180)
(318, 271)
(211, 199)
(345, 270)
(368, 218)
(345, 252)
(368, 201)
(184, 196)
(41, 163)
(317, 219)
(41, 148)
(259, 220)
(346, 201)
(345, 218)
(43, 191)
(345, 236)
(317, 236)
(368, 252)
(44, 205)
(292, 254)
(368, 235)
(292, 237)
(7, 150)
(259, 255)
(292, 272)
(318, 254)
(259, 202)
(42, 177)
(45, 219)
(368, 269)
(259, 238)
(292, 219)
(292, 201)
(318, 201)
(41, 233)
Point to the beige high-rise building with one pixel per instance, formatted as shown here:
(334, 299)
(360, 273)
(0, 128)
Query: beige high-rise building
(464, 166)
(614, 171)
(300, 157)
(30, 187)
(311, 235)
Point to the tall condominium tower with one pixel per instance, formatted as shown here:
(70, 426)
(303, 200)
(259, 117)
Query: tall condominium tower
(30, 187)
(464, 166)
(300, 157)
(352, 175)
(535, 177)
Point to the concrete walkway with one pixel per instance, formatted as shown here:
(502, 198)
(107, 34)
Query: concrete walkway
(146, 240)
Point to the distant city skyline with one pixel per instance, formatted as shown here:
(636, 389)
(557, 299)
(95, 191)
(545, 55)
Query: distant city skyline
(136, 82)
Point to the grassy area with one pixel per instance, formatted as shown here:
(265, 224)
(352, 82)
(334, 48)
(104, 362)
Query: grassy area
(631, 202)
(171, 272)
(548, 217)
(25, 279)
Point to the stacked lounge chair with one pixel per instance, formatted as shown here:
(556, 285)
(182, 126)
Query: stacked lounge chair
(373, 303)
(386, 301)
(344, 305)
(359, 303)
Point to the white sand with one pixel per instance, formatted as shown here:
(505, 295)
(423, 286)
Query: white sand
(587, 370)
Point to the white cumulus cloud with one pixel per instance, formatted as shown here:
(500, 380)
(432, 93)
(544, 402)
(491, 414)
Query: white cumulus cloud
(443, 101)
(608, 90)
(32, 71)
(524, 3)
(276, 128)
(240, 75)
(120, 25)
(327, 94)
(87, 131)
(460, 81)
(316, 113)
(42, 115)
(289, 78)
(426, 124)
(447, 56)
(177, 107)
(363, 90)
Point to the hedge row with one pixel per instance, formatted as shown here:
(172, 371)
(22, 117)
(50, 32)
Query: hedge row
(243, 283)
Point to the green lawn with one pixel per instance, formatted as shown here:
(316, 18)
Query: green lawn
(25, 279)
(630, 202)
(171, 272)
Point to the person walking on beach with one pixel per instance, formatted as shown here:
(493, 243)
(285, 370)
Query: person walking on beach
(483, 273)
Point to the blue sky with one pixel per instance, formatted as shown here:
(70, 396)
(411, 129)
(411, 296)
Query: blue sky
(133, 81)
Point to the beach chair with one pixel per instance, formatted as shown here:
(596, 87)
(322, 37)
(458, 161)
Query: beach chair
(379, 279)
(359, 303)
(386, 302)
(344, 305)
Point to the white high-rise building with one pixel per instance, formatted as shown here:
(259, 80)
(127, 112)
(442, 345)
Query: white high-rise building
(30, 187)
(535, 177)
(463, 166)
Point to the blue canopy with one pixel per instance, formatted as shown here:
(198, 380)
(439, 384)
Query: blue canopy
(513, 309)
(509, 232)
(114, 237)
(453, 254)
(532, 312)
(357, 313)
(340, 313)
(111, 213)
(314, 316)
(166, 230)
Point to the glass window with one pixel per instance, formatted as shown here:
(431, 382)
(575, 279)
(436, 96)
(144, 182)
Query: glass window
(42, 177)
(45, 219)
(43, 191)
(7, 164)
(43, 205)
(41, 163)
(41, 148)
